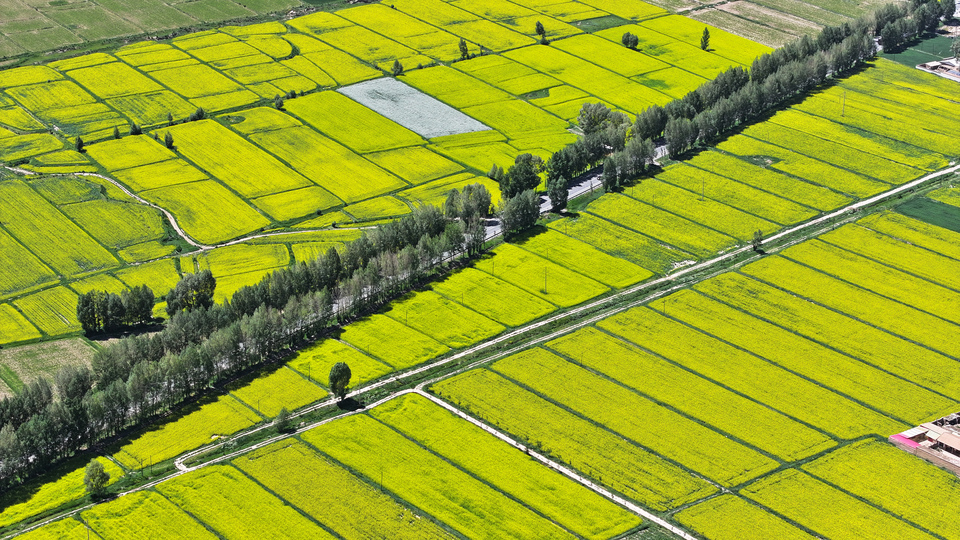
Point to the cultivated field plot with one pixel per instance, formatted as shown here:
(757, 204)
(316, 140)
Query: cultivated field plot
(221, 417)
(571, 505)
(345, 503)
(411, 108)
(145, 513)
(235, 506)
(776, 22)
(316, 361)
(425, 477)
(284, 388)
(53, 494)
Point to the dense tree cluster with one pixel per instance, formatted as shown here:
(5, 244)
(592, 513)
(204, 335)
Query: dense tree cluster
(193, 291)
(520, 212)
(100, 311)
(203, 344)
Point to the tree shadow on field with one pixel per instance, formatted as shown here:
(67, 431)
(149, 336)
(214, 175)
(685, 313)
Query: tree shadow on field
(522, 238)
(350, 405)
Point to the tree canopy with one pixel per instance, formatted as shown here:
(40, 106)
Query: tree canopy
(340, 379)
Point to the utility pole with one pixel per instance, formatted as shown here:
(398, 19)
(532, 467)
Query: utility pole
(544, 280)
(843, 103)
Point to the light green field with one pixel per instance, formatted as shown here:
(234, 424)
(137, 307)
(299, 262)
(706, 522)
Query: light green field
(161, 276)
(224, 416)
(23, 269)
(492, 297)
(729, 208)
(541, 277)
(284, 388)
(170, 172)
(241, 258)
(48, 233)
(231, 158)
(416, 165)
(585, 259)
(573, 506)
(117, 224)
(351, 507)
(875, 310)
(207, 211)
(145, 513)
(826, 510)
(395, 344)
(328, 164)
(461, 501)
(847, 375)
(443, 319)
(315, 363)
(694, 396)
(669, 228)
(234, 506)
(367, 131)
(664, 431)
(67, 488)
(622, 243)
(636, 472)
(14, 327)
(729, 517)
(54, 311)
(893, 484)
(748, 375)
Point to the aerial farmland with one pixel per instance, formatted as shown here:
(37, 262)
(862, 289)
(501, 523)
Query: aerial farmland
(675, 269)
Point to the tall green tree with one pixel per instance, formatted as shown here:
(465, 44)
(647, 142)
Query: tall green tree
(340, 379)
(464, 51)
(524, 174)
(520, 212)
(282, 422)
(558, 192)
(630, 41)
(96, 478)
(705, 39)
(397, 68)
(79, 144)
(168, 140)
(757, 241)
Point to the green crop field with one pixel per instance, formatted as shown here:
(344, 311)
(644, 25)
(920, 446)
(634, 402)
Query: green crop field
(335, 495)
(235, 506)
(220, 417)
(690, 394)
(729, 517)
(443, 319)
(495, 298)
(284, 388)
(392, 342)
(54, 494)
(427, 481)
(620, 464)
(838, 514)
(718, 458)
(144, 513)
(571, 505)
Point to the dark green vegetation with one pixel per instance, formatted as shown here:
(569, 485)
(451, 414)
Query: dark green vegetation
(31, 27)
